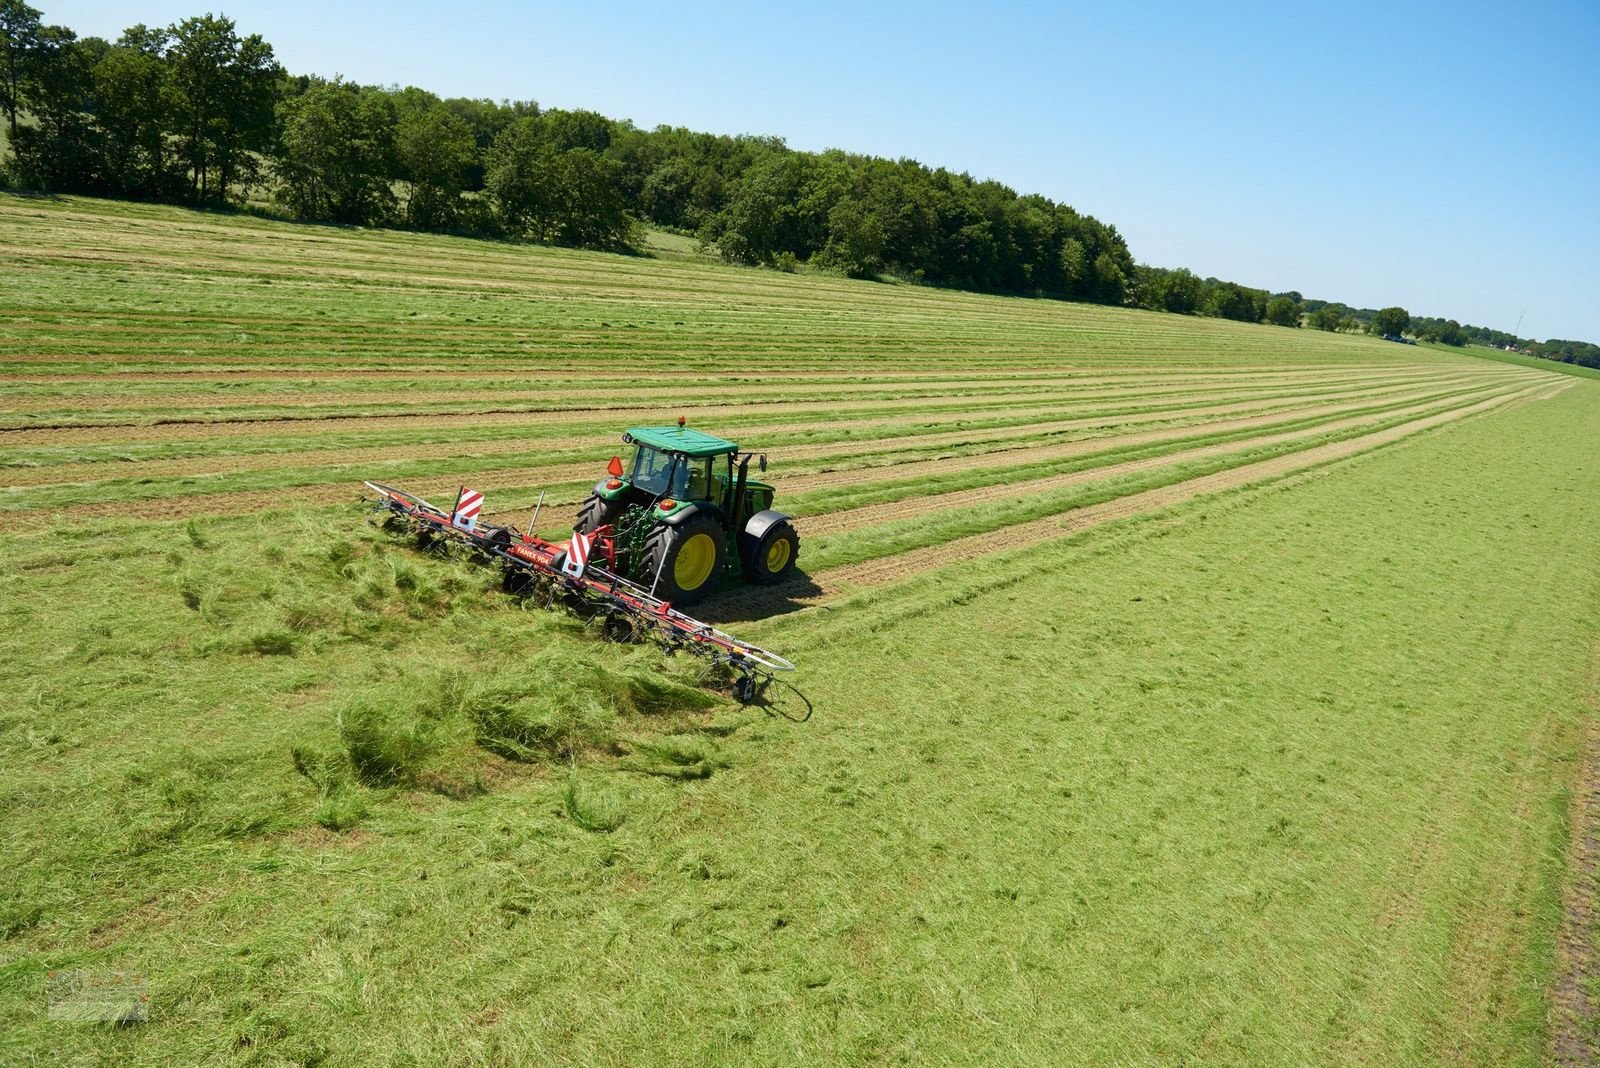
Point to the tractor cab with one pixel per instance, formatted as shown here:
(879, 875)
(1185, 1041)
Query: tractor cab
(678, 463)
(675, 468)
(685, 498)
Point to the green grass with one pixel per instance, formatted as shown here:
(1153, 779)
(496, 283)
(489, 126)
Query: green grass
(1519, 360)
(915, 532)
(669, 245)
(1278, 776)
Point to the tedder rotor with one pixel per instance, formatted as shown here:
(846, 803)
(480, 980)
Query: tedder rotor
(661, 531)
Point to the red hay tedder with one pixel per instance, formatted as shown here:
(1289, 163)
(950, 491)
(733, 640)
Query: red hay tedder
(579, 575)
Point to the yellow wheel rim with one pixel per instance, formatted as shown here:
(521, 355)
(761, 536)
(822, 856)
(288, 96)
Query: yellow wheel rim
(777, 555)
(696, 557)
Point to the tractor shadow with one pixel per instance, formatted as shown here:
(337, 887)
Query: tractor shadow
(745, 604)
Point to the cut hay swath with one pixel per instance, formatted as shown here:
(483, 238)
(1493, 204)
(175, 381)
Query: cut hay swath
(565, 574)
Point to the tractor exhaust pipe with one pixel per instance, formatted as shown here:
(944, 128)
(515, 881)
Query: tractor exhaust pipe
(734, 518)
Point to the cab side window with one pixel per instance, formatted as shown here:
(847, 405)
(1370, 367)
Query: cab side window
(699, 487)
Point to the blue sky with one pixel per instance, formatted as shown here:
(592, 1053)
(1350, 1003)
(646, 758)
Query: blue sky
(1440, 156)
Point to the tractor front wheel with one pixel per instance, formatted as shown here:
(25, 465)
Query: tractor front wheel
(687, 557)
(770, 559)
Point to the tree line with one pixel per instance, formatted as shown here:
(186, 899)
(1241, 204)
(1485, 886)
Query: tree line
(196, 113)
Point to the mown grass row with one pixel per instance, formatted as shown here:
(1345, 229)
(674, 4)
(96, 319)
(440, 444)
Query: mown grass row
(165, 405)
(54, 495)
(936, 527)
(544, 305)
(976, 401)
(984, 465)
(472, 326)
(68, 447)
(137, 395)
(828, 499)
(31, 381)
(37, 447)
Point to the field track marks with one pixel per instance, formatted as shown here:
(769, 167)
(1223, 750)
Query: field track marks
(855, 518)
(1573, 1011)
(903, 565)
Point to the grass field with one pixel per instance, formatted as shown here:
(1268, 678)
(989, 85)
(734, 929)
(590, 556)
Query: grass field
(1185, 691)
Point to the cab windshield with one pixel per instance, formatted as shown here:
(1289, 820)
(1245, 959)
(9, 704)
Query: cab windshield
(665, 474)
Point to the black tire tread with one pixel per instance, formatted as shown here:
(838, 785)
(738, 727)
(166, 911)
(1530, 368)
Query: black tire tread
(596, 512)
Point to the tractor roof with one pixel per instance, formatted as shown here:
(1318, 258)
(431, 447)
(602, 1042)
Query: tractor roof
(681, 439)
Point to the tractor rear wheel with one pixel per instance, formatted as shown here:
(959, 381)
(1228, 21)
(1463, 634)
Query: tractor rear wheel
(596, 513)
(770, 559)
(687, 557)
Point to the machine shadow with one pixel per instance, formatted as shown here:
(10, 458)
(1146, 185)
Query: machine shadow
(747, 604)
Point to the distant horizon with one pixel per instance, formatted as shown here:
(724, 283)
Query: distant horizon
(1350, 170)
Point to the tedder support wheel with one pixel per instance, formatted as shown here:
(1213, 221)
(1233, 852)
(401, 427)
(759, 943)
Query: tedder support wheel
(688, 557)
(769, 559)
(596, 513)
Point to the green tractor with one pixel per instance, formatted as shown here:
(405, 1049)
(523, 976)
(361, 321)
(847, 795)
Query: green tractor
(684, 511)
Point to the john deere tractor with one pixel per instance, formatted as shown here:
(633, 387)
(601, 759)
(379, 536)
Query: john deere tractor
(684, 511)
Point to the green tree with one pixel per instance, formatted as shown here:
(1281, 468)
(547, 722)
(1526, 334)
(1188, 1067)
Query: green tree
(1328, 317)
(1074, 260)
(1229, 300)
(516, 180)
(566, 130)
(1111, 272)
(487, 120)
(571, 197)
(1284, 310)
(134, 106)
(1176, 291)
(855, 240)
(337, 154)
(763, 217)
(1444, 331)
(60, 152)
(434, 148)
(667, 193)
(19, 38)
(225, 91)
(1391, 322)
(586, 198)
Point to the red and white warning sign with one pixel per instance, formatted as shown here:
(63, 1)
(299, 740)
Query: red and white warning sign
(577, 554)
(468, 504)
